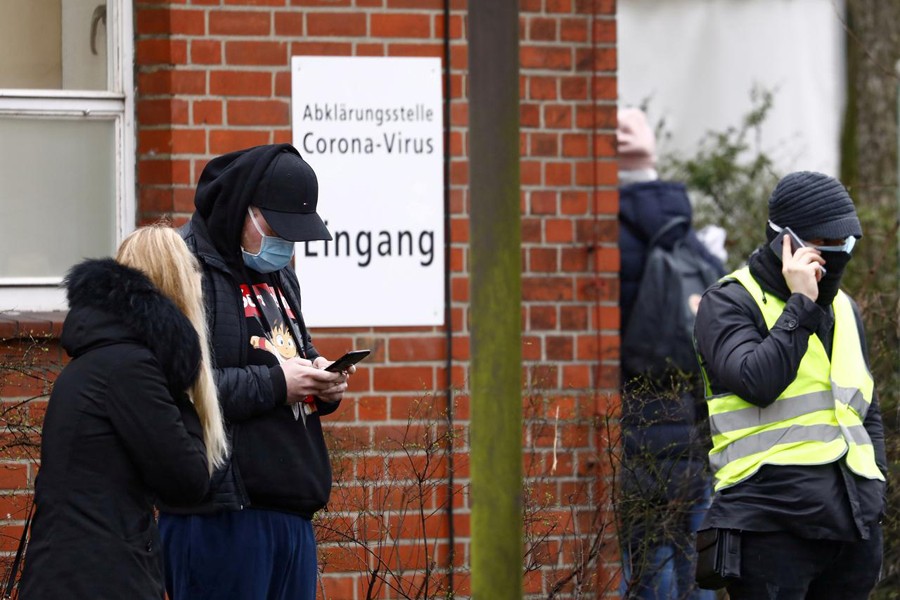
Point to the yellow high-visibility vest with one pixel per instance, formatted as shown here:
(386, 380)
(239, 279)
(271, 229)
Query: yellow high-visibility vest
(817, 420)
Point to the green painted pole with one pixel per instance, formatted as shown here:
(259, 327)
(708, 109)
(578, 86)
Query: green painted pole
(495, 296)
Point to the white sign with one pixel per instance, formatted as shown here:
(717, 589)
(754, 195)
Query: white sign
(371, 128)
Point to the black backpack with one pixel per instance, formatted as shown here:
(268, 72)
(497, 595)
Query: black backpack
(659, 333)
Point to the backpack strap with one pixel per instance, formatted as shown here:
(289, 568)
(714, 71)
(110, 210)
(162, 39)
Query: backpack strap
(673, 223)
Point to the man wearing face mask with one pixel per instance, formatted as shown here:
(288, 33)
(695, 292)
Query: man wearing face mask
(252, 538)
(798, 444)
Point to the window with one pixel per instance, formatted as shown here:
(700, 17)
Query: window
(66, 142)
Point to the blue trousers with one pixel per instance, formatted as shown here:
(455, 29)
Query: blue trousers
(662, 505)
(241, 555)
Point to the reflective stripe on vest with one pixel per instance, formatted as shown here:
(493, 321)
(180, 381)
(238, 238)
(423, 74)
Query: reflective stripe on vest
(817, 419)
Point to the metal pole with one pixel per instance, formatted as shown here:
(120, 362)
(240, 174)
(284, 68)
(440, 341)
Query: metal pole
(495, 296)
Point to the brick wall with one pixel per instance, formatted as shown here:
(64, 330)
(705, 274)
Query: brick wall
(213, 76)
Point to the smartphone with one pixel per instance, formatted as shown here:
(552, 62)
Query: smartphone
(796, 244)
(344, 362)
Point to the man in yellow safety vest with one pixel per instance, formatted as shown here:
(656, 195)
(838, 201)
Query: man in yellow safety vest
(798, 444)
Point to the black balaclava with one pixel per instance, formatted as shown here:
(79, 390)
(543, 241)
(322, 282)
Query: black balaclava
(814, 206)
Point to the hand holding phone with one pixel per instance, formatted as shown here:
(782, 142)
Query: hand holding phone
(348, 360)
(777, 245)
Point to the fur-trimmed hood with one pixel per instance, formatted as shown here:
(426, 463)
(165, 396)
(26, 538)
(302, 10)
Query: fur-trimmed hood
(110, 303)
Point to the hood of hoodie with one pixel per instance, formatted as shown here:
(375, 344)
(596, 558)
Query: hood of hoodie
(647, 206)
(110, 303)
(225, 190)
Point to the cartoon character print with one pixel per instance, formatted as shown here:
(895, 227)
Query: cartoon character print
(279, 342)
(262, 305)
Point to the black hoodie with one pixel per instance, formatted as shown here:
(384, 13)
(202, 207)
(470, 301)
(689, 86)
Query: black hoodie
(278, 461)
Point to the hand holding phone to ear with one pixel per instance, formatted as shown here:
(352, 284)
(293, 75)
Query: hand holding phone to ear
(802, 266)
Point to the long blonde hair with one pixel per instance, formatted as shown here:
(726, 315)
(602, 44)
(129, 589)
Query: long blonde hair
(160, 253)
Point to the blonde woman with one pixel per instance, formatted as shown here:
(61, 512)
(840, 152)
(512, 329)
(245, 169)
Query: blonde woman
(133, 420)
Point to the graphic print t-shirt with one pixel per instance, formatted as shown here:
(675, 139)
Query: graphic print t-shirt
(271, 324)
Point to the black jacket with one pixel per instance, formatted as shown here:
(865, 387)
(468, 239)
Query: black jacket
(660, 418)
(277, 462)
(742, 356)
(118, 434)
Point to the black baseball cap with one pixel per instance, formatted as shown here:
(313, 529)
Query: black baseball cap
(287, 196)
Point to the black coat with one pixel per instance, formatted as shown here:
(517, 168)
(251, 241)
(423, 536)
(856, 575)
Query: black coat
(658, 420)
(118, 434)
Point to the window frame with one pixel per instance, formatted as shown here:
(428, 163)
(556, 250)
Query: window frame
(26, 294)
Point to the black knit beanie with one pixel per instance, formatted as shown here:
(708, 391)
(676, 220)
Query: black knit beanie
(814, 206)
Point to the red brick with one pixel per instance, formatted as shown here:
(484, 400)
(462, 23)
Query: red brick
(336, 24)
(391, 25)
(575, 260)
(206, 112)
(289, 23)
(605, 88)
(547, 289)
(160, 51)
(427, 51)
(164, 172)
(321, 49)
(370, 50)
(543, 144)
(172, 82)
(240, 83)
(417, 349)
(559, 231)
(546, 57)
(456, 26)
(542, 29)
(529, 115)
(255, 2)
(542, 317)
(222, 141)
(577, 145)
(169, 111)
(149, 22)
(256, 53)
(574, 88)
(239, 22)
(558, 174)
(187, 22)
(404, 379)
(327, 3)
(258, 112)
(542, 88)
(574, 30)
(206, 52)
(597, 59)
(559, 6)
(543, 260)
(605, 31)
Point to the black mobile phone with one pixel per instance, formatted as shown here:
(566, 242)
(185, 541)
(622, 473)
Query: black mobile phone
(796, 244)
(344, 362)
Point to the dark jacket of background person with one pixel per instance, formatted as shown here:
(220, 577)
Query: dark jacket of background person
(277, 462)
(119, 433)
(654, 421)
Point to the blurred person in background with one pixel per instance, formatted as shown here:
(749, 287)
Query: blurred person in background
(664, 481)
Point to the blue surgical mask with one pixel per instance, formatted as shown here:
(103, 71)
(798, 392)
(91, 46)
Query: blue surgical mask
(274, 253)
